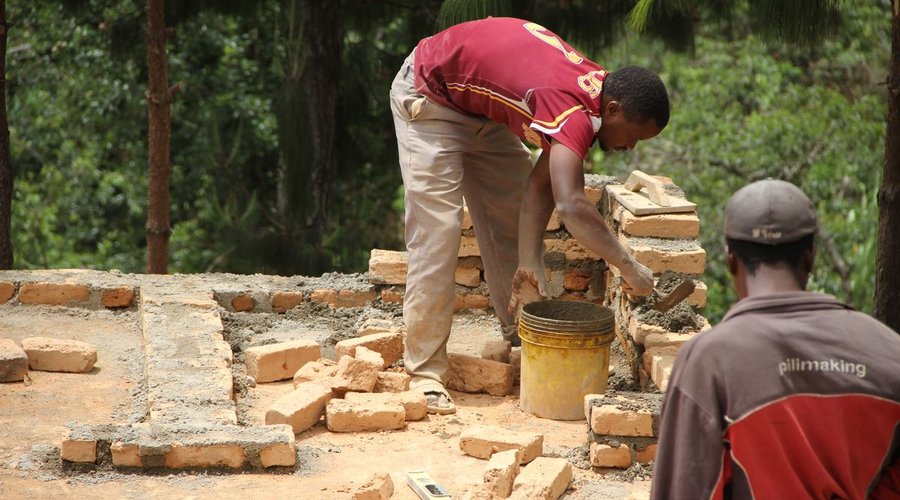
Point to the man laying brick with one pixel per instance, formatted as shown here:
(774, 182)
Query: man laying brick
(462, 103)
(793, 394)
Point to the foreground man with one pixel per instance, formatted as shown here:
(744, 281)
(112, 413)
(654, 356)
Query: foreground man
(793, 394)
(463, 102)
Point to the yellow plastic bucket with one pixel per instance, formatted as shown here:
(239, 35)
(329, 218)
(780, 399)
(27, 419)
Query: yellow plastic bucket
(565, 356)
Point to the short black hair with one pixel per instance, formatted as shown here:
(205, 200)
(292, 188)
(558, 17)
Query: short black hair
(642, 94)
(755, 254)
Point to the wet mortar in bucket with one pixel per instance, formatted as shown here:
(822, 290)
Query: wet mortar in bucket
(565, 356)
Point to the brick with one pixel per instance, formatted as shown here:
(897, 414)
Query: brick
(80, 451)
(413, 402)
(594, 193)
(389, 345)
(680, 256)
(243, 303)
(554, 224)
(609, 420)
(348, 416)
(658, 363)
(343, 298)
(354, 374)
(300, 408)
(7, 290)
(467, 219)
(698, 297)
(58, 355)
(391, 382)
(280, 361)
(591, 400)
(483, 441)
(278, 455)
(313, 371)
(602, 455)
(467, 276)
(125, 455)
(545, 478)
(471, 374)
(501, 471)
(113, 298)
(388, 267)
(646, 455)
(468, 247)
(56, 294)
(667, 339)
(682, 225)
(376, 325)
(497, 350)
(466, 301)
(392, 295)
(576, 280)
(219, 455)
(282, 301)
(13, 361)
(378, 486)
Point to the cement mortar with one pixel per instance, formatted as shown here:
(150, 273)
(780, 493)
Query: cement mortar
(679, 319)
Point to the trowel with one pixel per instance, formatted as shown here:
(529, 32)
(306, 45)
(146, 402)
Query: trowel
(679, 293)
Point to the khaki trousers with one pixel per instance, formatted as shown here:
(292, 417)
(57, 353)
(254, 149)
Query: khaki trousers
(446, 156)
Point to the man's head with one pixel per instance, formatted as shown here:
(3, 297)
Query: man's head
(635, 108)
(770, 228)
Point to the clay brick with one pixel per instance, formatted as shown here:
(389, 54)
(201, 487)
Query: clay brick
(243, 303)
(392, 295)
(545, 478)
(594, 193)
(280, 361)
(389, 345)
(497, 350)
(554, 223)
(379, 486)
(388, 267)
(347, 416)
(7, 290)
(80, 451)
(646, 455)
(391, 382)
(56, 294)
(465, 301)
(314, 371)
(13, 361)
(113, 298)
(467, 219)
(608, 420)
(572, 250)
(413, 402)
(57, 355)
(602, 455)
(468, 247)
(501, 471)
(483, 441)
(278, 455)
(376, 325)
(576, 280)
(684, 256)
(591, 400)
(467, 276)
(125, 455)
(343, 298)
(658, 364)
(300, 408)
(667, 339)
(471, 374)
(219, 455)
(684, 225)
(282, 301)
(698, 297)
(355, 374)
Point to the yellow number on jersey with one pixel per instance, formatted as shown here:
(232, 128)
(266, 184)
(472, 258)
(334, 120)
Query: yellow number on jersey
(591, 84)
(537, 29)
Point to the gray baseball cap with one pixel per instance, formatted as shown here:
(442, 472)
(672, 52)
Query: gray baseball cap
(769, 212)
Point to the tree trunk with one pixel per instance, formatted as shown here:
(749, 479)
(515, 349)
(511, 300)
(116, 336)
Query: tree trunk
(6, 170)
(887, 261)
(159, 98)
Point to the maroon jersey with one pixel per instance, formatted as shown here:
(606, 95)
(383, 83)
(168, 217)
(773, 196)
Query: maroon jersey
(792, 395)
(517, 73)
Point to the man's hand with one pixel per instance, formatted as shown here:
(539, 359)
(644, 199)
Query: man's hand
(638, 279)
(528, 286)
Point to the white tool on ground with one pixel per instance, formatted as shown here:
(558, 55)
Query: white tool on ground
(424, 486)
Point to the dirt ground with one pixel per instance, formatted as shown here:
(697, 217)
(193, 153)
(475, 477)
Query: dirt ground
(33, 416)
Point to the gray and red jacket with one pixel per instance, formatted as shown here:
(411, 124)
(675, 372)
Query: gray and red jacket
(792, 395)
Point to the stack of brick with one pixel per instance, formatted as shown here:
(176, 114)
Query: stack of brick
(623, 428)
(663, 238)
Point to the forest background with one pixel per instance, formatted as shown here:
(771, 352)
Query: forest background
(245, 197)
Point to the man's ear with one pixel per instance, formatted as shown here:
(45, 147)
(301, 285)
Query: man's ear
(613, 108)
